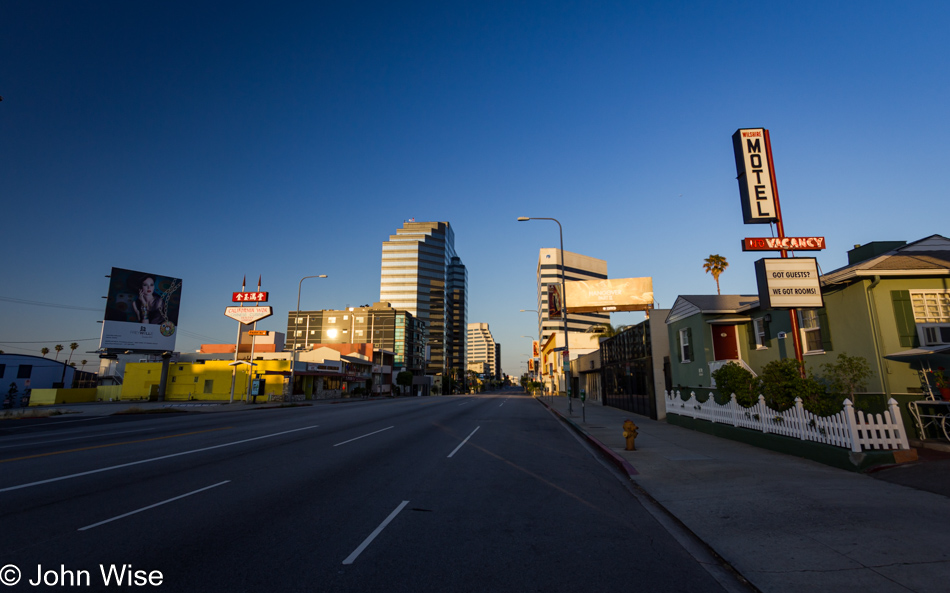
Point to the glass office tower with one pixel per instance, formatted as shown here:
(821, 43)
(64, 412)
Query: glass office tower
(422, 274)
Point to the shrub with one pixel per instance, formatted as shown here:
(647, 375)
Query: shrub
(847, 375)
(733, 378)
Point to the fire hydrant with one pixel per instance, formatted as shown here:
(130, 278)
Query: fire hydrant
(630, 433)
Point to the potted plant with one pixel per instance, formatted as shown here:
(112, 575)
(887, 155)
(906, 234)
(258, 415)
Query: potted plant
(942, 383)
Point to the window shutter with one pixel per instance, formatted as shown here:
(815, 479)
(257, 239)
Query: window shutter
(689, 347)
(752, 333)
(679, 347)
(767, 339)
(904, 316)
(825, 330)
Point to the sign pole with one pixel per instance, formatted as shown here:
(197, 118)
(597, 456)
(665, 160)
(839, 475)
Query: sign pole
(253, 339)
(237, 345)
(792, 313)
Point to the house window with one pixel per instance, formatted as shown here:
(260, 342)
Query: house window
(810, 328)
(686, 349)
(209, 385)
(932, 316)
(331, 319)
(758, 327)
(359, 320)
(24, 371)
(300, 320)
(298, 332)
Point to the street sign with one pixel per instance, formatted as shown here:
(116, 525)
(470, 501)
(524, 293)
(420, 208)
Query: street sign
(248, 315)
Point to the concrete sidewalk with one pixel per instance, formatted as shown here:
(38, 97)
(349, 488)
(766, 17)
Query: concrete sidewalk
(786, 524)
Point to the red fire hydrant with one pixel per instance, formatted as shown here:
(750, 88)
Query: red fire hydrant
(630, 433)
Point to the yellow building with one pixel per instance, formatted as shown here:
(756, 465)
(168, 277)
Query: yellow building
(204, 381)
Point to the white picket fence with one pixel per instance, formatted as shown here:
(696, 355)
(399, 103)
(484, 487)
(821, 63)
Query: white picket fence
(848, 429)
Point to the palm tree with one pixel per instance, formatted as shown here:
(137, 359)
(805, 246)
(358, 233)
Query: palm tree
(715, 265)
(58, 348)
(72, 348)
(606, 330)
(45, 351)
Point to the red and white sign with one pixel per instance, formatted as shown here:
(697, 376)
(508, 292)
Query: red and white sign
(783, 244)
(248, 297)
(248, 315)
(756, 186)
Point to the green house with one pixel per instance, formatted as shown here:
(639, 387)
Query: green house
(891, 300)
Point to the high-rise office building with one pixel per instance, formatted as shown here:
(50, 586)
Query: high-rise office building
(577, 267)
(482, 347)
(422, 274)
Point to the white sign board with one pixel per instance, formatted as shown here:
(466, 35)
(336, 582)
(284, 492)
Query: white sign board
(788, 283)
(619, 294)
(248, 315)
(756, 186)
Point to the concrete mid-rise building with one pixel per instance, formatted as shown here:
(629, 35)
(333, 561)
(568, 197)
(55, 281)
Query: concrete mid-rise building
(381, 325)
(576, 267)
(421, 273)
(482, 348)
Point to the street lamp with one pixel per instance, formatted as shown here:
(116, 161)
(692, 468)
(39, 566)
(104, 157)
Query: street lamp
(293, 361)
(567, 354)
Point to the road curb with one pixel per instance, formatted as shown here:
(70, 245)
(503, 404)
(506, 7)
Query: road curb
(621, 463)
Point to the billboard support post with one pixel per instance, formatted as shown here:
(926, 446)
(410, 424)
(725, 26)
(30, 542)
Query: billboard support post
(253, 339)
(163, 382)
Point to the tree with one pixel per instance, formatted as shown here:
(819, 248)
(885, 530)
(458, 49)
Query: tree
(606, 330)
(44, 351)
(847, 375)
(58, 348)
(72, 348)
(404, 379)
(715, 265)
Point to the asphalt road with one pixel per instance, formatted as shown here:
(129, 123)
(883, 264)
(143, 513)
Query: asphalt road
(462, 493)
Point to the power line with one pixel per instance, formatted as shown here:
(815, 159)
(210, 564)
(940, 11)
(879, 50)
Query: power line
(53, 305)
(44, 341)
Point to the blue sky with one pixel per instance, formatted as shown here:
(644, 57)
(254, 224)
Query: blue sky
(210, 141)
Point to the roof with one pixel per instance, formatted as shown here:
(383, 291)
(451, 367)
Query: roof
(927, 257)
(689, 305)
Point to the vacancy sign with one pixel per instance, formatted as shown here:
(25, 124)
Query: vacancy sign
(756, 186)
(783, 243)
(788, 283)
(248, 315)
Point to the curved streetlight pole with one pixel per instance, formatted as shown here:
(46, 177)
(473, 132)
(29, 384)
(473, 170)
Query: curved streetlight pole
(293, 356)
(567, 352)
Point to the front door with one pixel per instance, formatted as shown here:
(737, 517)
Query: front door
(725, 342)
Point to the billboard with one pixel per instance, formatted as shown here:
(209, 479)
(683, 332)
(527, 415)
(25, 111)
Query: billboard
(788, 283)
(554, 301)
(621, 294)
(753, 171)
(141, 312)
(535, 349)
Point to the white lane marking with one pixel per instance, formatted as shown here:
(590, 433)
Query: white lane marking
(120, 466)
(466, 402)
(372, 536)
(88, 436)
(152, 506)
(457, 448)
(358, 438)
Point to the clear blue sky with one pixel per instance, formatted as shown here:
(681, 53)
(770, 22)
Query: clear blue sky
(208, 141)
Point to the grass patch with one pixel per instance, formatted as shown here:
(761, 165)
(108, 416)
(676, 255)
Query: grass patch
(138, 410)
(31, 413)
